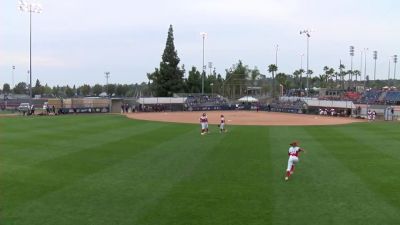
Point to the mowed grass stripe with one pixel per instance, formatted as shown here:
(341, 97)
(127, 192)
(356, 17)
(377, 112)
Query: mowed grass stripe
(360, 176)
(23, 150)
(382, 136)
(53, 174)
(120, 194)
(228, 186)
(322, 190)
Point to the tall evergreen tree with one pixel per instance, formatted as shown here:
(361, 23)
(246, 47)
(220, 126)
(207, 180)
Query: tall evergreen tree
(6, 88)
(168, 79)
(194, 81)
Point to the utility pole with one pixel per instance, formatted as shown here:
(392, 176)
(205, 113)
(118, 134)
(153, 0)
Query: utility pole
(203, 34)
(307, 33)
(276, 55)
(107, 76)
(395, 62)
(375, 55)
(13, 72)
(389, 72)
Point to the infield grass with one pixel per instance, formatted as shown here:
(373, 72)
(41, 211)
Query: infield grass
(107, 169)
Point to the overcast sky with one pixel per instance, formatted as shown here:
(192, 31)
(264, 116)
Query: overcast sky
(75, 42)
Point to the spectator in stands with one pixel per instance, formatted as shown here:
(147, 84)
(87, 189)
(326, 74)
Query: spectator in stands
(126, 108)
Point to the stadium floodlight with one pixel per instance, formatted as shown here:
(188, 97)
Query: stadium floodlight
(107, 76)
(31, 7)
(351, 60)
(365, 64)
(308, 34)
(204, 35)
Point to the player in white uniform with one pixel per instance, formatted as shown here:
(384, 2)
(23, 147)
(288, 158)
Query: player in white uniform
(369, 115)
(204, 124)
(294, 151)
(222, 124)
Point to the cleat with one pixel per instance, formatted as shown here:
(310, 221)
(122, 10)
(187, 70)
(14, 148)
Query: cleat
(286, 178)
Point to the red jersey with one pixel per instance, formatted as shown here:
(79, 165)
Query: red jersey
(294, 151)
(203, 119)
(222, 120)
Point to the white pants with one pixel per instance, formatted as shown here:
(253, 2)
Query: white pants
(222, 126)
(204, 126)
(293, 160)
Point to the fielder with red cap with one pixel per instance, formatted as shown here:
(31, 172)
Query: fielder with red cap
(204, 124)
(294, 151)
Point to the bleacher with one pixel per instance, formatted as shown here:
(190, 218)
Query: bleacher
(288, 106)
(371, 97)
(392, 97)
(351, 96)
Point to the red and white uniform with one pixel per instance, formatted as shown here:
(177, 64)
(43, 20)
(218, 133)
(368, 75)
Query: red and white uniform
(204, 123)
(293, 153)
(222, 123)
(369, 115)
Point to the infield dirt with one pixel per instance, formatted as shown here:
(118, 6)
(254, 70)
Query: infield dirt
(245, 118)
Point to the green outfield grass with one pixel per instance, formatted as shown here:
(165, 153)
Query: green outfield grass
(109, 170)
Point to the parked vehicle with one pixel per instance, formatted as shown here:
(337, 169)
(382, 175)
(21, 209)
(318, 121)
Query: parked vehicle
(24, 107)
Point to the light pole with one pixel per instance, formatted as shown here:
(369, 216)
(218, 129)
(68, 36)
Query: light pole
(361, 64)
(301, 60)
(276, 55)
(365, 63)
(13, 72)
(389, 71)
(107, 76)
(307, 33)
(204, 35)
(301, 70)
(395, 62)
(351, 61)
(29, 6)
(375, 55)
(365, 66)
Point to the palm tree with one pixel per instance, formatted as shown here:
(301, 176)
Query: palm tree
(301, 78)
(322, 80)
(326, 75)
(350, 73)
(282, 79)
(309, 73)
(342, 74)
(356, 73)
(330, 74)
(272, 69)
